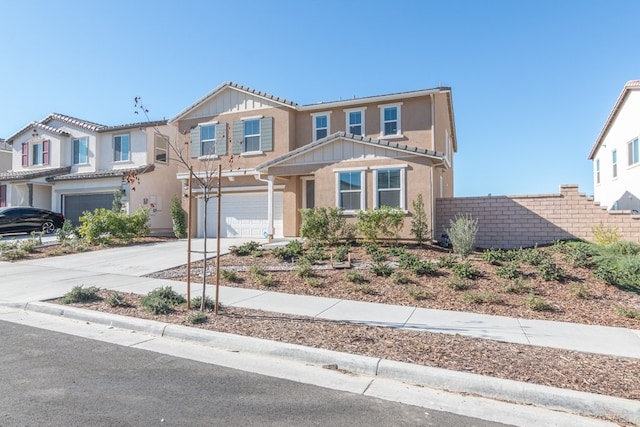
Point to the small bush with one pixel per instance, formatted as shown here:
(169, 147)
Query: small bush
(464, 270)
(624, 248)
(101, 225)
(304, 268)
(168, 294)
(458, 284)
(256, 271)
(292, 250)
(366, 289)
(324, 225)
(533, 256)
(536, 303)
(65, 233)
(354, 277)
(408, 261)
(580, 291)
(13, 254)
(518, 286)
(380, 222)
(605, 236)
(313, 282)
(397, 251)
(417, 293)
(630, 313)
(116, 300)
(317, 252)
(209, 303)
(382, 269)
(482, 298)
(423, 268)
(399, 278)
(550, 271)
(245, 249)
(419, 221)
(494, 256)
(341, 254)
(578, 256)
(267, 280)
(178, 218)
(509, 271)
(462, 233)
(229, 275)
(156, 305)
(197, 318)
(79, 294)
(448, 261)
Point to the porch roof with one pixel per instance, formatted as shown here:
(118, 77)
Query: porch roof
(105, 173)
(32, 174)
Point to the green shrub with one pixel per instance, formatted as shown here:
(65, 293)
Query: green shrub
(536, 303)
(374, 224)
(419, 221)
(167, 293)
(423, 268)
(267, 280)
(304, 268)
(324, 225)
(66, 233)
(580, 291)
(313, 282)
(578, 256)
(509, 271)
(229, 275)
(317, 252)
(622, 247)
(458, 284)
(80, 294)
(178, 218)
(408, 261)
(101, 225)
(605, 236)
(550, 271)
(398, 278)
(366, 289)
(209, 303)
(382, 269)
(256, 271)
(462, 233)
(258, 253)
(397, 251)
(494, 256)
(13, 254)
(464, 270)
(533, 256)
(354, 277)
(292, 250)
(630, 313)
(417, 293)
(448, 261)
(197, 318)
(116, 300)
(518, 286)
(156, 305)
(342, 253)
(117, 203)
(245, 249)
(482, 298)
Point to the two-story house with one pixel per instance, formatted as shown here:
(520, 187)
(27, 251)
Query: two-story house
(279, 157)
(616, 154)
(71, 165)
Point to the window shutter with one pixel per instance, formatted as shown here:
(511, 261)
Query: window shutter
(221, 139)
(266, 134)
(237, 142)
(45, 152)
(25, 154)
(194, 148)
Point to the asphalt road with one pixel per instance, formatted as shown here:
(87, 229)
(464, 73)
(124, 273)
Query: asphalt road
(54, 379)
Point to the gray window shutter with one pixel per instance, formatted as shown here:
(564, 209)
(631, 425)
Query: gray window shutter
(221, 139)
(238, 138)
(266, 134)
(194, 148)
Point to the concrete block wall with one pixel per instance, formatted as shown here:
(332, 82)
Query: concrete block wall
(523, 221)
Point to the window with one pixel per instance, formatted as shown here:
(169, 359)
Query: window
(390, 120)
(80, 150)
(36, 154)
(355, 121)
(597, 171)
(350, 194)
(634, 156)
(208, 140)
(321, 125)
(614, 160)
(39, 153)
(121, 148)
(251, 135)
(161, 149)
(389, 184)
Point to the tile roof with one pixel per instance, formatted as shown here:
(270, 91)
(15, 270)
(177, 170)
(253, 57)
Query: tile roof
(629, 86)
(32, 174)
(38, 125)
(133, 125)
(4, 146)
(84, 124)
(383, 143)
(105, 173)
(373, 98)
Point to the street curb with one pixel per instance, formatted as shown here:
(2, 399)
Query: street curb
(575, 402)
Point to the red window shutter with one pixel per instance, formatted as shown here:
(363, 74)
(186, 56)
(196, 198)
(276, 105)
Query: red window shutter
(25, 154)
(3, 196)
(45, 152)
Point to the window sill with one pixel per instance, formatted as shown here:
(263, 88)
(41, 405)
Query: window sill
(397, 136)
(123, 162)
(404, 211)
(251, 153)
(209, 157)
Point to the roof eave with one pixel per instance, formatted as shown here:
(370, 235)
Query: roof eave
(376, 98)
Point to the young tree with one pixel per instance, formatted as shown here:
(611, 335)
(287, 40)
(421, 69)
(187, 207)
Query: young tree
(205, 175)
(419, 222)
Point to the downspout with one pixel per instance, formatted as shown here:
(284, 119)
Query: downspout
(269, 182)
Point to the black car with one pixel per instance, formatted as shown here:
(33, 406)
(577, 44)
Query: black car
(25, 219)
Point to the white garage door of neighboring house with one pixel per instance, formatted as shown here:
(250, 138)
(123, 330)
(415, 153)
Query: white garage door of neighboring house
(74, 205)
(243, 215)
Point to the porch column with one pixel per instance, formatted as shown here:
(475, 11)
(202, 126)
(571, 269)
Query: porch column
(30, 188)
(270, 231)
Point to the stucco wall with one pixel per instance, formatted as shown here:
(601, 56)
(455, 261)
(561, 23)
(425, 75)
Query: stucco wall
(523, 221)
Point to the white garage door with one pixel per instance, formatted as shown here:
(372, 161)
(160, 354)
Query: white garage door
(243, 215)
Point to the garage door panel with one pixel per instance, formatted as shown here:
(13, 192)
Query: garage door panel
(75, 205)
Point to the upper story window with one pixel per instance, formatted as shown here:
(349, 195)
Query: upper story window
(614, 162)
(355, 121)
(251, 135)
(390, 120)
(634, 154)
(597, 171)
(321, 125)
(389, 188)
(161, 148)
(350, 194)
(35, 153)
(80, 150)
(208, 140)
(121, 148)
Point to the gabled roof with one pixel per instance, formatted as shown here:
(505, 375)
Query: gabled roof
(382, 143)
(84, 124)
(234, 86)
(32, 174)
(133, 125)
(4, 146)
(628, 87)
(37, 125)
(105, 173)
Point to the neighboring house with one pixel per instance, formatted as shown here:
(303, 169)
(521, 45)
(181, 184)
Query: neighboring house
(616, 154)
(279, 157)
(70, 165)
(5, 165)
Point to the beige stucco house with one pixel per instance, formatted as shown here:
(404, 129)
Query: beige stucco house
(278, 156)
(70, 165)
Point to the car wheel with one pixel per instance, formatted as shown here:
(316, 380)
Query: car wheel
(48, 227)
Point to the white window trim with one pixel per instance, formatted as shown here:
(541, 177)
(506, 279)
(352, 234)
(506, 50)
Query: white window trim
(398, 134)
(629, 160)
(597, 172)
(32, 158)
(363, 191)
(251, 153)
(614, 165)
(313, 124)
(346, 118)
(73, 139)
(304, 180)
(259, 135)
(403, 186)
(213, 141)
(128, 160)
(161, 136)
(244, 119)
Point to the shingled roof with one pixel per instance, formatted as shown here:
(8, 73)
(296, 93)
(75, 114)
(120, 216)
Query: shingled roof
(32, 174)
(105, 173)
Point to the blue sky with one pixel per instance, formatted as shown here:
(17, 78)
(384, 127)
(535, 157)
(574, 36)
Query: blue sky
(533, 81)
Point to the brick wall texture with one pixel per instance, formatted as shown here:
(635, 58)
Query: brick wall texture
(524, 221)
